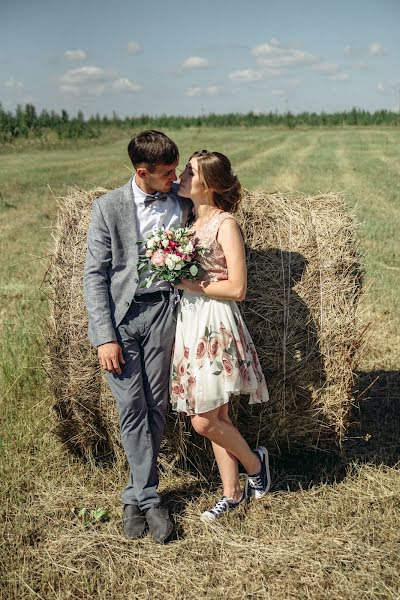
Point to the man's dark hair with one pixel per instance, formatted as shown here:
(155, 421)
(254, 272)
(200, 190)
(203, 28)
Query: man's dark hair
(152, 148)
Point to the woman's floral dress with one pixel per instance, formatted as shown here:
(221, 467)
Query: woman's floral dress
(214, 355)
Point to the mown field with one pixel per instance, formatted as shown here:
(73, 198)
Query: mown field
(329, 528)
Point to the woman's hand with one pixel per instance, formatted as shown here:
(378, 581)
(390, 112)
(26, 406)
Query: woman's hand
(191, 285)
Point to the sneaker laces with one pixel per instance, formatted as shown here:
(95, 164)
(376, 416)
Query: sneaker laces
(221, 506)
(255, 481)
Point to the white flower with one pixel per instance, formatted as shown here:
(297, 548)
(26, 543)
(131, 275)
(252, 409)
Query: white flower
(175, 258)
(165, 243)
(156, 239)
(170, 263)
(178, 266)
(193, 270)
(150, 244)
(189, 247)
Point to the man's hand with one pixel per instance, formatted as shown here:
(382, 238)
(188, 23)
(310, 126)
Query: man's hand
(110, 357)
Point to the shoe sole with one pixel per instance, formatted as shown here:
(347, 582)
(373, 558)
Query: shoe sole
(205, 519)
(264, 454)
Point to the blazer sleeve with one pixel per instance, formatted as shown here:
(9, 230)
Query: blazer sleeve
(96, 279)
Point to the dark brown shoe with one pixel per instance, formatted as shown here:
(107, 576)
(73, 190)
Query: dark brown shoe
(135, 523)
(160, 524)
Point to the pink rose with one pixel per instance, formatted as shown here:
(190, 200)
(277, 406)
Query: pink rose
(149, 253)
(225, 335)
(228, 366)
(175, 388)
(214, 348)
(186, 352)
(201, 348)
(158, 258)
(181, 368)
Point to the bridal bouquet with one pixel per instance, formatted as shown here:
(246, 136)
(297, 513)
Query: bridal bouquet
(171, 254)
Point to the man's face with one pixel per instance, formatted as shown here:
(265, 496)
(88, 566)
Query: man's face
(159, 180)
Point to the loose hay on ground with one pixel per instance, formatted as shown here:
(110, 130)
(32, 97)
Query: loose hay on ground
(338, 541)
(301, 309)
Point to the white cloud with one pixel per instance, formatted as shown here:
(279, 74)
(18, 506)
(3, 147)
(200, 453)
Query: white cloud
(134, 48)
(376, 49)
(94, 81)
(245, 75)
(389, 86)
(348, 51)
(13, 84)
(331, 70)
(75, 54)
(340, 77)
(195, 62)
(83, 75)
(275, 55)
(327, 68)
(361, 65)
(125, 85)
(211, 90)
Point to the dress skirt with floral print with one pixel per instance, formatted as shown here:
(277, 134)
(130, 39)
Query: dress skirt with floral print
(214, 356)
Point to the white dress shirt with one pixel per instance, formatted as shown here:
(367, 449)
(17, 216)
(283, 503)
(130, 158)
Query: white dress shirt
(153, 215)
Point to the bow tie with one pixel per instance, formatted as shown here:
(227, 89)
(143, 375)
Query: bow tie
(159, 196)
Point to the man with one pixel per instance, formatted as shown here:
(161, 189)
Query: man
(133, 327)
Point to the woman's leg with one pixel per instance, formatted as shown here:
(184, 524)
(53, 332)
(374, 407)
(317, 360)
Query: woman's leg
(218, 428)
(227, 463)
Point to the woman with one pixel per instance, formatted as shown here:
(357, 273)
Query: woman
(214, 356)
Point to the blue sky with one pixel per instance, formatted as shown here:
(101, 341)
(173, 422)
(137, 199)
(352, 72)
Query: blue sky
(198, 57)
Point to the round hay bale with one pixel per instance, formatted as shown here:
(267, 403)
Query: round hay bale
(304, 284)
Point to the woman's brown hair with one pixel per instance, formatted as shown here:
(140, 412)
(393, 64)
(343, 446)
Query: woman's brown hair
(215, 172)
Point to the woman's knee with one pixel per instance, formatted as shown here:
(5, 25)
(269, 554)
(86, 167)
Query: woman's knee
(202, 425)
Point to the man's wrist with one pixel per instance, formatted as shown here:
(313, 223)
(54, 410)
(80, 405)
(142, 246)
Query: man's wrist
(110, 342)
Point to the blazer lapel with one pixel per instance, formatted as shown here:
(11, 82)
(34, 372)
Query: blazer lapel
(128, 219)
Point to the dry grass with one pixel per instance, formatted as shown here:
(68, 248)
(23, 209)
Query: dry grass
(329, 530)
(332, 541)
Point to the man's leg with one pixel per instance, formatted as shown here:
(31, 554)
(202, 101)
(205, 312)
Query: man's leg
(136, 437)
(156, 346)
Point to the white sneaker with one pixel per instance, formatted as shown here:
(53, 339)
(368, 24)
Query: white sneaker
(222, 507)
(259, 484)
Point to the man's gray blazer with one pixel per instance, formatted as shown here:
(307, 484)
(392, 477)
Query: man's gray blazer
(111, 275)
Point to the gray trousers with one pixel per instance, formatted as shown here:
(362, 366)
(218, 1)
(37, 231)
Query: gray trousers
(142, 392)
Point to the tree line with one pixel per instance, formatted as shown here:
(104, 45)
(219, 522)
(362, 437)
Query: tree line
(26, 121)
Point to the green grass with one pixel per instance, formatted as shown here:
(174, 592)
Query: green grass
(361, 162)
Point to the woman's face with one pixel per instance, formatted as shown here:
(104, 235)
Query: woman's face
(190, 185)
